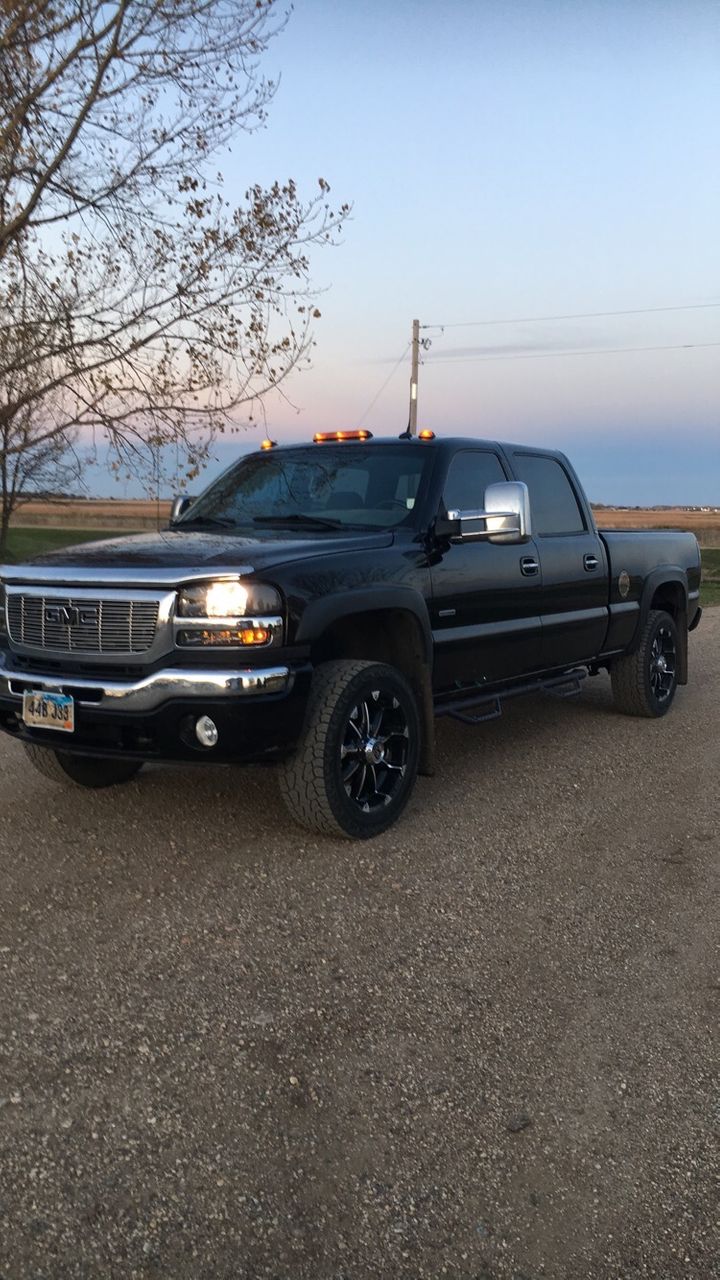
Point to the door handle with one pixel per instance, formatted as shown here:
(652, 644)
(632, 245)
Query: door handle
(528, 566)
(590, 563)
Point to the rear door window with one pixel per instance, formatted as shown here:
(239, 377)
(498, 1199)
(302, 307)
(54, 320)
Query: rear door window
(553, 504)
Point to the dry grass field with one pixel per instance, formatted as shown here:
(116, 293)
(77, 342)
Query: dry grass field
(40, 526)
(28, 541)
(97, 513)
(704, 524)
(133, 514)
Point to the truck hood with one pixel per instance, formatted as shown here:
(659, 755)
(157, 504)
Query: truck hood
(163, 557)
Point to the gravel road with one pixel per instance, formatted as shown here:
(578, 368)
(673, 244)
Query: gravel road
(483, 1046)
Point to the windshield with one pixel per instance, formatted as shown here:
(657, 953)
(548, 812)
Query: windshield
(322, 487)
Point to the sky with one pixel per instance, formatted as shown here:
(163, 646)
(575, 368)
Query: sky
(507, 160)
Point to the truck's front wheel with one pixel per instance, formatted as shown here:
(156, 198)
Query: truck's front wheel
(356, 764)
(644, 682)
(84, 771)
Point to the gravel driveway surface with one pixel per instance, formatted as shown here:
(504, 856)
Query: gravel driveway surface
(484, 1045)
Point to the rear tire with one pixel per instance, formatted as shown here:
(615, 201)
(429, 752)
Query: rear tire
(644, 682)
(356, 763)
(83, 771)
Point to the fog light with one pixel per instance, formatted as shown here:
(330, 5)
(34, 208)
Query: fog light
(206, 732)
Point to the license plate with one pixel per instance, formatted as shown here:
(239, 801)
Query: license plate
(49, 711)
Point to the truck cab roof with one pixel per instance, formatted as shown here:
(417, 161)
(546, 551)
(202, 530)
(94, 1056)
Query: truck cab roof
(437, 443)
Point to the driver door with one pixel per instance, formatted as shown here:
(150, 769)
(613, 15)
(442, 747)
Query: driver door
(485, 610)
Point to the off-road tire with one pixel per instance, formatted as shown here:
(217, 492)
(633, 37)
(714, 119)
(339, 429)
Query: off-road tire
(83, 771)
(631, 675)
(311, 781)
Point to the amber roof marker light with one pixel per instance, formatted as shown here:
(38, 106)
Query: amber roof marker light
(268, 444)
(425, 434)
(325, 437)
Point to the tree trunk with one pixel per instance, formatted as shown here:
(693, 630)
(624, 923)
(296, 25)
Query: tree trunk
(4, 532)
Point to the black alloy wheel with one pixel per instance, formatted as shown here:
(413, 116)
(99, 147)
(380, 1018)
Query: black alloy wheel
(356, 763)
(663, 664)
(644, 682)
(374, 751)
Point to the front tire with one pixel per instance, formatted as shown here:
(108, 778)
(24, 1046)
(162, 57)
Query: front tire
(644, 682)
(83, 771)
(357, 760)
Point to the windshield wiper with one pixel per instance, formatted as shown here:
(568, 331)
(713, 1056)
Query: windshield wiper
(298, 517)
(215, 522)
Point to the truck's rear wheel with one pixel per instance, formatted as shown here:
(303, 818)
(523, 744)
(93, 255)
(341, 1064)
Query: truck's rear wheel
(356, 763)
(84, 771)
(644, 682)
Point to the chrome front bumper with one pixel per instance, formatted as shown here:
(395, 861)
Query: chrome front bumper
(152, 691)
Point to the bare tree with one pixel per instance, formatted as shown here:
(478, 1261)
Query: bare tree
(134, 299)
(31, 459)
(31, 468)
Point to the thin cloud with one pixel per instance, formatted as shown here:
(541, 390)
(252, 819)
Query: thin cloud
(529, 346)
(508, 349)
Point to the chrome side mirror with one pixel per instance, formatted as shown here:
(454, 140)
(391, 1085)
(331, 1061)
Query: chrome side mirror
(505, 516)
(179, 507)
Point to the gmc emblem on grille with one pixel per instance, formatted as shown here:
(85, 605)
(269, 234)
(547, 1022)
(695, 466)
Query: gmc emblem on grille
(68, 615)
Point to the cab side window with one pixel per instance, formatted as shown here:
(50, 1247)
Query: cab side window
(553, 504)
(470, 473)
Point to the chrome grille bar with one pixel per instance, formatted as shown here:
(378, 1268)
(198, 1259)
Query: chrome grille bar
(82, 623)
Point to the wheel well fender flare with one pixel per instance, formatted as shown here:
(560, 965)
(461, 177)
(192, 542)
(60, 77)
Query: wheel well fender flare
(665, 575)
(323, 612)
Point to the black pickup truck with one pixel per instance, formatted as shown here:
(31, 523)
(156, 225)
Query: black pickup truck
(321, 604)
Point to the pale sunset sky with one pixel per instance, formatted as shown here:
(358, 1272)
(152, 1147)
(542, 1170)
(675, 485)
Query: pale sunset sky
(511, 159)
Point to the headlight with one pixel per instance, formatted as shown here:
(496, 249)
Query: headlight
(231, 599)
(228, 614)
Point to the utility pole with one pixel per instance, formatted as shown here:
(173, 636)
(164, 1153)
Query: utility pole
(412, 420)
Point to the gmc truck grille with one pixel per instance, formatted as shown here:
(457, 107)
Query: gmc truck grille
(64, 625)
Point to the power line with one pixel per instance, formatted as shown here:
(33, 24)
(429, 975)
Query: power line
(554, 355)
(378, 394)
(578, 315)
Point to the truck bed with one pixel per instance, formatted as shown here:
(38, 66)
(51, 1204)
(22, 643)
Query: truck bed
(641, 552)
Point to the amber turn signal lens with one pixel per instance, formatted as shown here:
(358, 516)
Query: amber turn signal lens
(256, 635)
(225, 638)
(323, 437)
